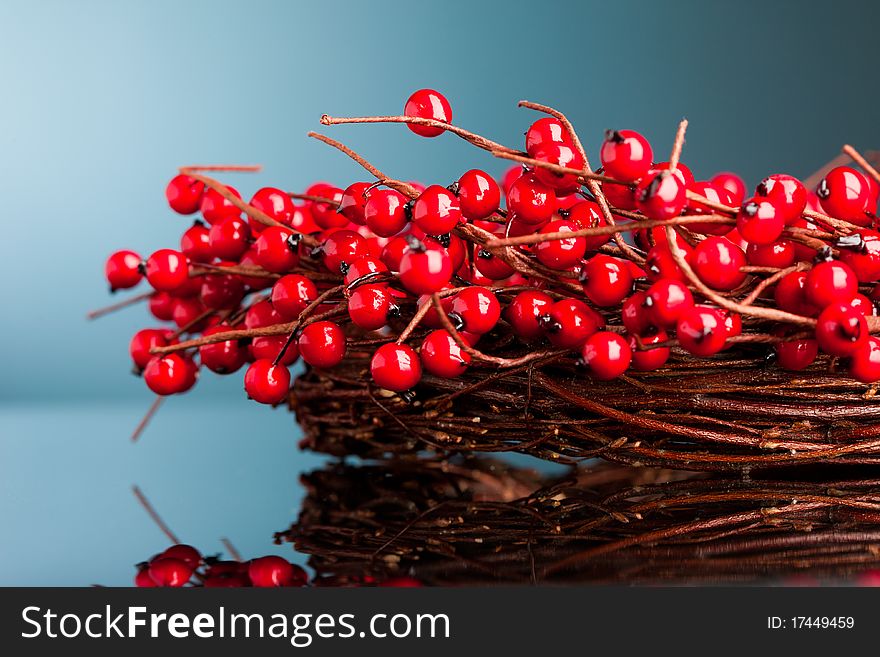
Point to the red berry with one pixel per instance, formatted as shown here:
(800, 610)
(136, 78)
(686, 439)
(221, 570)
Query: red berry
(531, 200)
(222, 357)
(363, 267)
(564, 253)
(622, 197)
(270, 346)
(436, 211)
(343, 247)
(123, 270)
(167, 270)
(660, 195)
(142, 579)
(568, 323)
(186, 311)
(162, 306)
(588, 214)
(830, 282)
(221, 292)
(230, 238)
(276, 250)
(545, 131)
(325, 214)
(370, 305)
(845, 193)
(392, 253)
(780, 254)
(262, 314)
(478, 194)
(864, 362)
(701, 331)
(666, 300)
(861, 251)
(395, 367)
(717, 261)
(442, 356)
(524, 312)
(275, 203)
(733, 184)
(476, 310)
(322, 344)
(841, 329)
(606, 281)
(291, 294)
(185, 553)
(682, 172)
(195, 243)
(425, 267)
(563, 155)
(759, 221)
(215, 207)
(272, 571)
(267, 383)
(167, 571)
(491, 266)
(713, 193)
(607, 354)
(249, 259)
(302, 221)
(796, 354)
(385, 212)
(143, 341)
(634, 313)
(786, 193)
(428, 104)
(660, 263)
(353, 201)
(648, 360)
(184, 194)
(170, 374)
(864, 305)
(626, 155)
(789, 295)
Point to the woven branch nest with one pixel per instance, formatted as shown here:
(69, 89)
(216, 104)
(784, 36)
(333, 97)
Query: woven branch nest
(477, 521)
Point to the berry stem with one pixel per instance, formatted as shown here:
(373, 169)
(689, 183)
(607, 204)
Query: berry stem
(677, 145)
(862, 162)
(106, 310)
(154, 515)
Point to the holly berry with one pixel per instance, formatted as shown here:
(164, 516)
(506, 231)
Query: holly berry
(161, 306)
(142, 579)
(626, 155)
(542, 132)
(780, 254)
(221, 292)
(531, 200)
(195, 243)
(660, 263)
(123, 270)
(717, 261)
(428, 104)
(267, 383)
(682, 172)
(622, 197)
(733, 184)
(184, 194)
(322, 344)
(864, 362)
(563, 155)
(342, 248)
(524, 311)
(569, 322)
(275, 203)
(606, 281)
(588, 214)
(861, 251)
(395, 367)
(491, 266)
(230, 238)
(759, 221)
(789, 295)
(666, 301)
(167, 270)
(660, 195)
(353, 202)
(272, 571)
(145, 340)
(276, 249)
(845, 193)
(325, 214)
(563, 253)
(168, 571)
(436, 211)
(170, 374)
(864, 305)
(302, 221)
(362, 267)
(185, 553)
(215, 207)
(385, 212)
(607, 354)
(478, 194)
(475, 310)
(796, 354)
(369, 306)
(830, 282)
(291, 294)
(270, 346)
(222, 357)
(634, 313)
(841, 329)
(701, 331)
(787, 194)
(424, 267)
(649, 359)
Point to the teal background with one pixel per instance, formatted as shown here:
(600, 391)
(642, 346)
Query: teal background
(102, 100)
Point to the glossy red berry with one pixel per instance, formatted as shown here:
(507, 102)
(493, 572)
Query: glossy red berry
(830, 282)
(170, 374)
(222, 357)
(185, 553)
(626, 155)
(184, 194)
(230, 238)
(542, 132)
(660, 195)
(796, 354)
(215, 207)
(789, 295)
(563, 155)
(343, 247)
(607, 354)
(428, 104)
(717, 261)
(145, 340)
(491, 266)
(262, 314)
(270, 346)
(622, 197)
(436, 211)
(267, 383)
(845, 193)
(161, 306)
(864, 362)
(167, 270)
(249, 259)
(841, 329)
(666, 301)
(606, 280)
(478, 194)
(701, 331)
(733, 184)
(861, 251)
(864, 305)
(168, 571)
(195, 243)
(275, 203)
(561, 253)
(326, 213)
(425, 267)
(302, 221)
(569, 322)
(531, 200)
(221, 292)
(322, 344)
(272, 571)
(780, 254)
(682, 172)
(369, 306)
(353, 202)
(588, 214)
(475, 310)
(142, 579)
(786, 193)
(714, 193)
(524, 311)
(442, 356)
(395, 367)
(291, 294)
(362, 267)
(385, 212)
(276, 249)
(759, 221)
(634, 313)
(123, 270)
(649, 357)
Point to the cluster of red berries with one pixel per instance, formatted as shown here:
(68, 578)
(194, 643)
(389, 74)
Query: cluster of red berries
(392, 251)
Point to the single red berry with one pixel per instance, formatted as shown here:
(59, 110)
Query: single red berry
(650, 357)
(215, 207)
(780, 254)
(167, 270)
(864, 305)
(475, 310)
(369, 306)
(262, 314)
(273, 202)
(861, 251)
(395, 367)
(195, 243)
(123, 270)
(221, 291)
(353, 202)
(478, 194)
(531, 200)
(864, 362)
(442, 356)
(569, 322)
(606, 280)
(362, 267)
(563, 155)
(385, 212)
(660, 263)
(170, 374)
(667, 300)
(588, 214)
(267, 383)
(759, 221)
(162, 306)
(392, 252)
(660, 195)
(428, 104)
(326, 213)
(425, 267)
(249, 259)
(845, 193)
(790, 297)
(436, 211)
(167, 571)
(607, 354)
(511, 175)
(491, 266)
(717, 261)
(142, 579)
(188, 310)
(626, 155)
(302, 221)
(222, 357)
(622, 197)
(276, 249)
(841, 329)
(682, 172)
(185, 553)
(272, 571)
(523, 312)
(545, 131)
(270, 346)
(184, 194)
(830, 282)
(143, 341)
(322, 344)
(634, 313)
(714, 193)
(561, 253)
(343, 247)
(701, 331)
(786, 193)
(291, 294)
(796, 354)
(733, 184)
(230, 238)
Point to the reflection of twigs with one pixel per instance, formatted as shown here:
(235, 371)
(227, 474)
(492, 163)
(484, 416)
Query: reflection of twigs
(154, 515)
(142, 425)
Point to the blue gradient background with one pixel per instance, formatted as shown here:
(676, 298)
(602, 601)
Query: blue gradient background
(102, 100)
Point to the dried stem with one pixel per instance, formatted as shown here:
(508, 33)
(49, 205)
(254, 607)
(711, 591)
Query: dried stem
(106, 310)
(154, 515)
